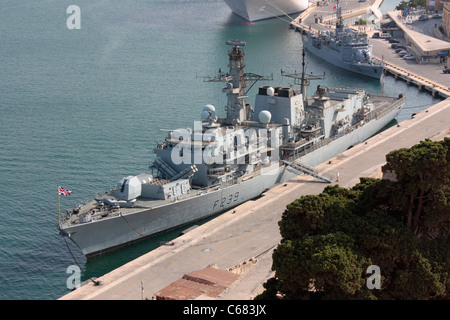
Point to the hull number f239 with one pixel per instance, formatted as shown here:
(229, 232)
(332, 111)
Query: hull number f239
(226, 201)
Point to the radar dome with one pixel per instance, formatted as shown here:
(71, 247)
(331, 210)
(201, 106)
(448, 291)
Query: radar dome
(270, 91)
(205, 115)
(209, 113)
(209, 107)
(265, 116)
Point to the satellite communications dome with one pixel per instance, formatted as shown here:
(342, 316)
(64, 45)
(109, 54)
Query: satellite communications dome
(208, 112)
(265, 116)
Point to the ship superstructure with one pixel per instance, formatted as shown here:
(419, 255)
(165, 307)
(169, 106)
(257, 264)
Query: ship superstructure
(223, 162)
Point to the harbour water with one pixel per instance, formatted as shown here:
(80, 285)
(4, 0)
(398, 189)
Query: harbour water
(83, 108)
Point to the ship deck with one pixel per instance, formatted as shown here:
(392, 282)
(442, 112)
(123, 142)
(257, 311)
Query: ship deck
(97, 211)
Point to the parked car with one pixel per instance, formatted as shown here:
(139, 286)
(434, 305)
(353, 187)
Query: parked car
(423, 17)
(399, 49)
(376, 35)
(402, 53)
(436, 15)
(446, 70)
(396, 46)
(393, 41)
(409, 56)
(386, 35)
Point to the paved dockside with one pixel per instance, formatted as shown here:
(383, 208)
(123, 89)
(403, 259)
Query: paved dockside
(251, 230)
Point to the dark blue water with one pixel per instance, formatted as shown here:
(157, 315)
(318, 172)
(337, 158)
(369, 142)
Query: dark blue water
(83, 108)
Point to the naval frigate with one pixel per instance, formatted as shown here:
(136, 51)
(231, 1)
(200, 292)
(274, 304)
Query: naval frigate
(344, 47)
(224, 162)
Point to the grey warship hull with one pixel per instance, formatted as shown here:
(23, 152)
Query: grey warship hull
(334, 57)
(235, 159)
(345, 48)
(110, 233)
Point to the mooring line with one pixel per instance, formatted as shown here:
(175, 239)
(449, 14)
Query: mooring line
(74, 259)
(120, 214)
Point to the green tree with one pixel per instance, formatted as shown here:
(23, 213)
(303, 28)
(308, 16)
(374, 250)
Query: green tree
(400, 225)
(411, 4)
(423, 174)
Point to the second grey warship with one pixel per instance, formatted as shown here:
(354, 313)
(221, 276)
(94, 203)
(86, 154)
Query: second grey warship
(345, 48)
(224, 162)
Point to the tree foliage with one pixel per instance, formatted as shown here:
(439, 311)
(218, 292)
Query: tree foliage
(411, 4)
(400, 225)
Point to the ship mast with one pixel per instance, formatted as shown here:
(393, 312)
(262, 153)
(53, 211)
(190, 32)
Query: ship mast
(339, 19)
(305, 79)
(237, 108)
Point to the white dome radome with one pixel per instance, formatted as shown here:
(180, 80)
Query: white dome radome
(265, 116)
(209, 107)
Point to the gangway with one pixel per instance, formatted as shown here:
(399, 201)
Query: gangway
(302, 167)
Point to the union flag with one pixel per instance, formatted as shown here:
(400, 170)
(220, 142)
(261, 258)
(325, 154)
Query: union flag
(64, 192)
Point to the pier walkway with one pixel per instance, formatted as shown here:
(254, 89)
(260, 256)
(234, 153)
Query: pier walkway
(250, 231)
(320, 18)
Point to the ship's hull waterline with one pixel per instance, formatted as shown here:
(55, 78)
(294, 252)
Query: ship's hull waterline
(253, 10)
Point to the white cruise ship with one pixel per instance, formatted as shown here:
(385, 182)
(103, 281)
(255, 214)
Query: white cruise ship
(253, 10)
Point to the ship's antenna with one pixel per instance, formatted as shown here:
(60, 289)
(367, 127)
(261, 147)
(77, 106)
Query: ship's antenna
(303, 78)
(339, 20)
(304, 84)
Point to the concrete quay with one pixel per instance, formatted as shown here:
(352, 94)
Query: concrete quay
(320, 18)
(250, 231)
(427, 77)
